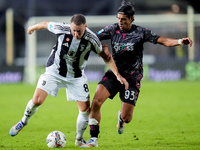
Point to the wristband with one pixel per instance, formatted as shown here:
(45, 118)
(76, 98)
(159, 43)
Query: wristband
(179, 42)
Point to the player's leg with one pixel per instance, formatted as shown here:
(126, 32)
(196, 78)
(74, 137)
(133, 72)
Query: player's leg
(31, 108)
(108, 87)
(129, 98)
(82, 121)
(101, 95)
(127, 112)
(77, 90)
(124, 116)
(47, 84)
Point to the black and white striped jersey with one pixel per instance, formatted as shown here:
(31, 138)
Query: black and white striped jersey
(69, 55)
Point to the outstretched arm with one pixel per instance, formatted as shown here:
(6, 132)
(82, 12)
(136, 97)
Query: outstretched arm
(174, 42)
(108, 59)
(38, 26)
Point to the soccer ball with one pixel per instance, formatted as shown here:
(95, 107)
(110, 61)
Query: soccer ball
(56, 139)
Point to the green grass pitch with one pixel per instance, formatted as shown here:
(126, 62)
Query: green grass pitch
(167, 117)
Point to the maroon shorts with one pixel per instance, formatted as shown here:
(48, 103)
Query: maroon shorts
(130, 95)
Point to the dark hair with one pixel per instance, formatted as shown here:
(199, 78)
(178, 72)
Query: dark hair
(127, 9)
(78, 19)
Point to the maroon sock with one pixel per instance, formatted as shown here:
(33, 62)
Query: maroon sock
(94, 130)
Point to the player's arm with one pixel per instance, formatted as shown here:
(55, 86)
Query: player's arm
(108, 59)
(174, 42)
(38, 26)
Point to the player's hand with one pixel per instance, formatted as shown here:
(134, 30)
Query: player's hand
(187, 41)
(123, 81)
(30, 30)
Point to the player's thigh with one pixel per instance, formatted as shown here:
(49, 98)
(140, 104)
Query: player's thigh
(77, 89)
(50, 84)
(39, 96)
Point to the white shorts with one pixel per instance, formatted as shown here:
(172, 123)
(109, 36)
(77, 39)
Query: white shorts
(76, 88)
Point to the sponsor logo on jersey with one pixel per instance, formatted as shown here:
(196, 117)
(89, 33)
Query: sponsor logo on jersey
(71, 58)
(123, 46)
(71, 53)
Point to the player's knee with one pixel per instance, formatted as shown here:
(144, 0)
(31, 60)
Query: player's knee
(96, 103)
(85, 109)
(39, 96)
(127, 118)
(37, 101)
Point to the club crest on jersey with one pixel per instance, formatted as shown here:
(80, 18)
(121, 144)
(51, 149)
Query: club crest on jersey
(82, 47)
(123, 36)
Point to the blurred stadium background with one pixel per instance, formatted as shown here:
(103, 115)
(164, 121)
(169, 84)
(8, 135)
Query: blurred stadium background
(171, 18)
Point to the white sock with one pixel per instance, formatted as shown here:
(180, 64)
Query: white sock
(93, 121)
(81, 124)
(29, 111)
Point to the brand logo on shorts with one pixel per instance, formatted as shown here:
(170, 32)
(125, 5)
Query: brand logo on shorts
(44, 83)
(105, 78)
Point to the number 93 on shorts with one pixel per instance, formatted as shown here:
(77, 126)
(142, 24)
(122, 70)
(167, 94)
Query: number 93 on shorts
(129, 96)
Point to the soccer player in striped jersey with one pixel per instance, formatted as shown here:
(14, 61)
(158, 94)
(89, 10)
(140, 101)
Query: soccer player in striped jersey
(127, 42)
(65, 69)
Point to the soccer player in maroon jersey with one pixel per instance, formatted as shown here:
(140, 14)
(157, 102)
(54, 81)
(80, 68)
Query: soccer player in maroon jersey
(127, 42)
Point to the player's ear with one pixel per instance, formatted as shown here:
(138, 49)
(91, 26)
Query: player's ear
(132, 18)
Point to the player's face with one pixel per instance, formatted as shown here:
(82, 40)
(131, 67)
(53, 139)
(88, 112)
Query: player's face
(125, 23)
(78, 30)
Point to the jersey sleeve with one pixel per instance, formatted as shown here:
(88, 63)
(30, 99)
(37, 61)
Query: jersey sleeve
(59, 27)
(105, 33)
(94, 40)
(97, 46)
(150, 36)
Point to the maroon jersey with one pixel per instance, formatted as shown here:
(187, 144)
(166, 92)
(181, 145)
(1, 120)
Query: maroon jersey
(127, 47)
